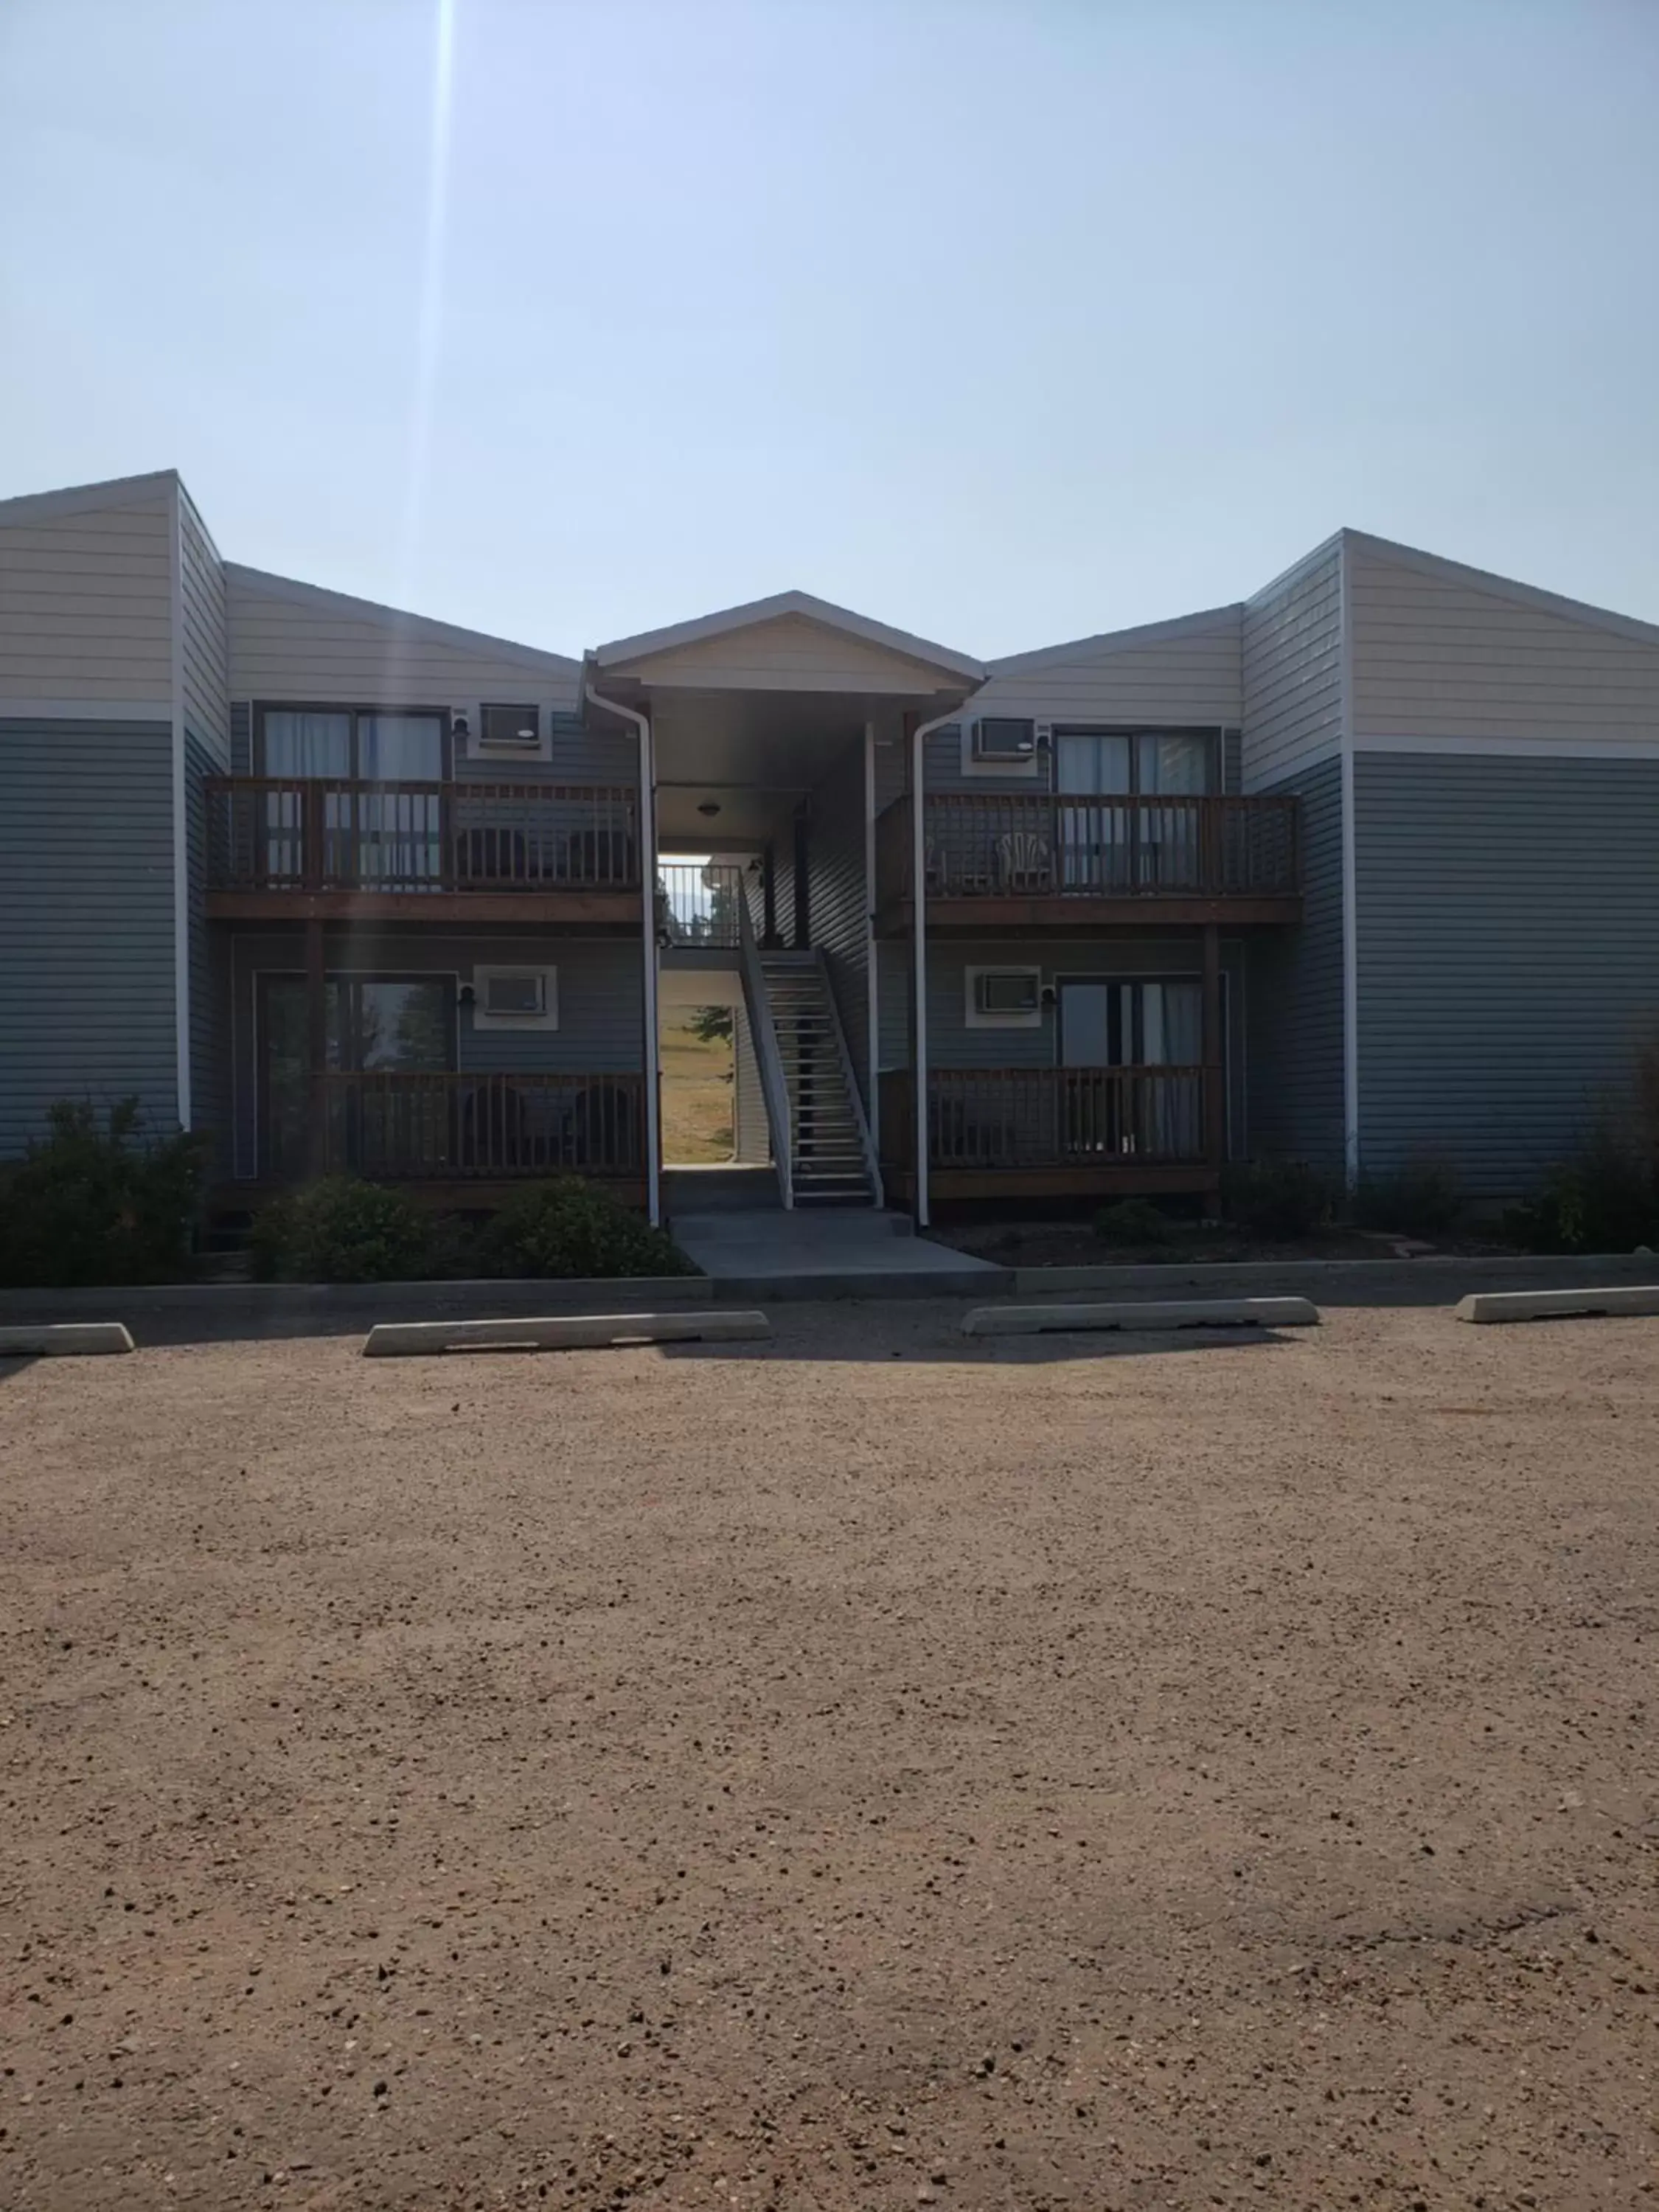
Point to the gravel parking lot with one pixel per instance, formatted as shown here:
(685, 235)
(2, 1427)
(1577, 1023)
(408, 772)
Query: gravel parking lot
(867, 1769)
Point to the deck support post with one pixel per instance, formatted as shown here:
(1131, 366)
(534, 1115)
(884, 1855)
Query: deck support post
(1215, 1068)
(316, 1050)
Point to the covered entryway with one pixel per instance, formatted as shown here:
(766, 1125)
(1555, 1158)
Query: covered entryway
(766, 723)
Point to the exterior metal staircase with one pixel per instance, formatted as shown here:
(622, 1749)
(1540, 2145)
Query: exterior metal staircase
(821, 1146)
(830, 1151)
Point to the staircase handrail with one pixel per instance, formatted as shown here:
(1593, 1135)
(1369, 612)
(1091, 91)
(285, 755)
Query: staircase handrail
(774, 1088)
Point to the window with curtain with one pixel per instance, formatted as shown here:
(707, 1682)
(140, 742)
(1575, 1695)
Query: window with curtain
(1109, 846)
(355, 745)
(386, 838)
(301, 743)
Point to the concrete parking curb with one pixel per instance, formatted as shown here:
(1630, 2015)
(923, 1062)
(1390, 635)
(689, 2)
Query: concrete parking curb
(561, 1333)
(1153, 1314)
(1587, 1304)
(65, 1339)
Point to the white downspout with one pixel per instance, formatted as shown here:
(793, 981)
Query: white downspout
(648, 904)
(871, 995)
(919, 738)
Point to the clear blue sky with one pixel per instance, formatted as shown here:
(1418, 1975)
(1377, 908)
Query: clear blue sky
(1003, 320)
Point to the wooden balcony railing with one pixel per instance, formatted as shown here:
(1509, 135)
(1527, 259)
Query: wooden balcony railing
(409, 1124)
(1045, 845)
(1051, 1118)
(298, 834)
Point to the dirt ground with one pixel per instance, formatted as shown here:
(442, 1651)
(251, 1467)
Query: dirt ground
(863, 1771)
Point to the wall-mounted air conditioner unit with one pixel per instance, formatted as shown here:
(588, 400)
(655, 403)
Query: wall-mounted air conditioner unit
(509, 730)
(1001, 738)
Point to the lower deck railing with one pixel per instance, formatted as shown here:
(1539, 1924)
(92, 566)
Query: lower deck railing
(1050, 1117)
(402, 1124)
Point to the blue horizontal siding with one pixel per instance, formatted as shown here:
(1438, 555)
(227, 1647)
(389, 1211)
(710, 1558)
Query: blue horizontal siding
(208, 1094)
(1295, 1067)
(1507, 943)
(86, 920)
(578, 756)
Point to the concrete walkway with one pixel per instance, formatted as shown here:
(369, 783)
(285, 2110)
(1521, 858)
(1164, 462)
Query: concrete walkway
(754, 1247)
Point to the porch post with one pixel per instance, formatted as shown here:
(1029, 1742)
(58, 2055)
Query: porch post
(1215, 1072)
(920, 732)
(872, 982)
(316, 1051)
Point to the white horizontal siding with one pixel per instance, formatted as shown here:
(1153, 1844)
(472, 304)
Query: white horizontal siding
(1434, 655)
(1169, 674)
(203, 642)
(290, 642)
(86, 602)
(1293, 671)
(789, 653)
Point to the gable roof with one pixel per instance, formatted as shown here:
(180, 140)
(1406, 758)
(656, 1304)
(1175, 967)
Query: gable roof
(1118, 640)
(80, 499)
(315, 596)
(1504, 587)
(781, 604)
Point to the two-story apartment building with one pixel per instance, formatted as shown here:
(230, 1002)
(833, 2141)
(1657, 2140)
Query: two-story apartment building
(1364, 864)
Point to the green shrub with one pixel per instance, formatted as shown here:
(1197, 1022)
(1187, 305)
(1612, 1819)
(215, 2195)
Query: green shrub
(1422, 1199)
(1605, 1199)
(1133, 1221)
(1280, 1197)
(91, 1204)
(570, 1227)
(340, 1230)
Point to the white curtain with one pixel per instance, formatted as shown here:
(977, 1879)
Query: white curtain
(400, 747)
(308, 744)
(1180, 766)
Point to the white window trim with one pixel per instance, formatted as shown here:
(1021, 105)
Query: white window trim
(479, 750)
(548, 1019)
(975, 1018)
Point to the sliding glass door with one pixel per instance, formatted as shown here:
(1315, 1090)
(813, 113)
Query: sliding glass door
(371, 839)
(1117, 846)
(376, 1025)
(1145, 1025)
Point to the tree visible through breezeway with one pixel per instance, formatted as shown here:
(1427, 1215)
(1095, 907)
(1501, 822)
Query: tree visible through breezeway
(697, 1087)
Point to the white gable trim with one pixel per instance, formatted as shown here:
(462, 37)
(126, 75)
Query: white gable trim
(1286, 577)
(267, 585)
(648, 643)
(1209, 622)
(181, 916)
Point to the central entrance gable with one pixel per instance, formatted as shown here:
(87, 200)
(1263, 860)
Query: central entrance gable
(791, 643)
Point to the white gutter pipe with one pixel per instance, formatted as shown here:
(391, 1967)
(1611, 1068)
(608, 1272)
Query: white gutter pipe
(919, 738)
(649, 903)
(871, 961)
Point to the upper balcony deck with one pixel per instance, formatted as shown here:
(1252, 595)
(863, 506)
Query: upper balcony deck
(996, 861)
(298, 848)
